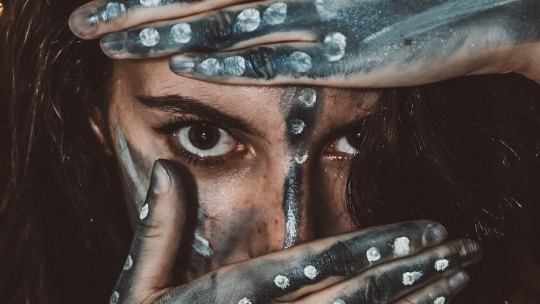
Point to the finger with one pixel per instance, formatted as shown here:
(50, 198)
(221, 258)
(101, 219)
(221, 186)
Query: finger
(442, 291)
(99, 17)
(303, 269)
(236, 27)
(393, 280)
(148, 268)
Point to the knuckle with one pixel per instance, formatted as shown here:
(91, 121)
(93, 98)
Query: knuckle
(262, 63)
(218, 30)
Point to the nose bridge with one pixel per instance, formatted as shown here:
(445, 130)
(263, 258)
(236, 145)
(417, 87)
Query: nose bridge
(302, 110)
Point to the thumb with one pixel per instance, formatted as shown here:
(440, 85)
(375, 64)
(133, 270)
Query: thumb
(148, 269)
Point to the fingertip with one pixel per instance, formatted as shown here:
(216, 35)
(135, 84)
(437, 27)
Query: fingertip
(114, 44)
(181, 64)
(434, 234)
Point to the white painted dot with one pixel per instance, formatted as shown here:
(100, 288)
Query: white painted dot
(275, 13)
(297, 126)
(328, 8)
(410, 278)
(300, 159)
(308, 97)
(129, 263)
(441, 265)
(210, 67)
(281, 281)
(144, 212)
(248, 20)
(234, 65)
(300, 61)
(373, 254)
(339, 301)
(149, 37)
(311, 272)
(401, 246)
(112, 11)
(439, 300)
(181, 33)
(114, 298)
(334, 46)
(150, 3)
(244, 301)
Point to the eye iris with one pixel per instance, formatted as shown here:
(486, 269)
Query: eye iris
(203, 136)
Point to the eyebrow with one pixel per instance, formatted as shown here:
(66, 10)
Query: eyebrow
(178, 104)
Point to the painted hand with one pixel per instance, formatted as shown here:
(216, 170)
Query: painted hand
(376, 265)
(328, 42)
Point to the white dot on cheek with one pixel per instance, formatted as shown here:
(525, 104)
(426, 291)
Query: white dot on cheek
(281, 281)
(401, 246)
(440, 300)
(311, 272)
(144, 212)
(373, 254)
(248, 20)
(149, 37)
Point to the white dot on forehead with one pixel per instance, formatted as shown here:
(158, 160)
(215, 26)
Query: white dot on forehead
(244, 301)
(144, 212)
(308, 97)
(248, 20)
(114, 298)
(234, 65)
(281, 281)
(181, 33)
(339, 301)
(112, 11)
(327, 8)
(410, 278)
(297, 126)
(300, 61)
(210, 67)
(275, 13)
(149, 3)
(401, 246)
(311, 272)
(129, 263)
(149, 37)
(373, 254)
(439, 300)
(442, 264)
(334, 46)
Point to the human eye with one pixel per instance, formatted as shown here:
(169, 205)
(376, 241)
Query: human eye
(202, 142)
(342, 146)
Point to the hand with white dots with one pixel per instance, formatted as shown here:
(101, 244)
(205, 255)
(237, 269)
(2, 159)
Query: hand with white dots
(399, 263)
(354, 43)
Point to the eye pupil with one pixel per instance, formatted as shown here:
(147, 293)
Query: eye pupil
(203, 136)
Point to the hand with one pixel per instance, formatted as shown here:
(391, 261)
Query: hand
(376, 265)
(338, 43)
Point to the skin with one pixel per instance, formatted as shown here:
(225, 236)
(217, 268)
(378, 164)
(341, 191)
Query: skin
(238, 204)
(340, 43)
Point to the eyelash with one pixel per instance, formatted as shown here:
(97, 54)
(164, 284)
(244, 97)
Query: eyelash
(178, 123)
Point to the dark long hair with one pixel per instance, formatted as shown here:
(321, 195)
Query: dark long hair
(462, 152)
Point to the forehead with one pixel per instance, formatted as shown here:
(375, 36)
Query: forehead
(154, 78)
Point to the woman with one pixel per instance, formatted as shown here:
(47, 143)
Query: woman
(89, 194)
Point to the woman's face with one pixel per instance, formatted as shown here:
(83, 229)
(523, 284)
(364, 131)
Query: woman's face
(268, 164)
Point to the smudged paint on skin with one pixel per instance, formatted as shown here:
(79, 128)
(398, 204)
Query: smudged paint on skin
(282, 282)
(129, 263)
(144, 212)
(311, 272)
(127, 161)
(401, 246)
(202, 246)
(149, 37)
(244, 301)
(114, 298)
(373, 254)
(439, 300)
(442, 264)
(409, 278)
(291, 205)
(275, 13)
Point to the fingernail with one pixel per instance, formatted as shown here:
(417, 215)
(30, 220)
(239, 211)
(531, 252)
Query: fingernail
(182, 64)
(434, 234)
(114, 44)
(161, 182)
(458, 281)
(83, 21)
(470, 253)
